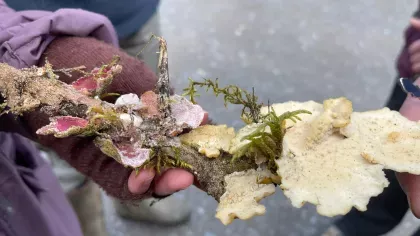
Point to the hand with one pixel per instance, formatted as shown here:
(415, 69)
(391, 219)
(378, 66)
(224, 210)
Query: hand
(411, 186)
(169, 182)
(408, 62)
(408, 66)
(414, 48)
(411, 183)
(81, 153)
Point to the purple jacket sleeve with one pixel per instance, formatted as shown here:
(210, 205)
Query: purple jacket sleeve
(24, 35)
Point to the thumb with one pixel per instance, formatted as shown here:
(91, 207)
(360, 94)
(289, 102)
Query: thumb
(410, 109)
(411, 186)
(411, 183)
(415, 22)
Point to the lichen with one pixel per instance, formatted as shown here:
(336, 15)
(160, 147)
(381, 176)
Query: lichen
(127, 153)
(96, 82)
(65, 126)
(107, 147)
(186, 113)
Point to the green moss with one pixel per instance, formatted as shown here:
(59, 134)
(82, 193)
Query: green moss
(268, 143)
(107, 147)
(232, 94)
(3, 108)
(177, 159)
(159, 158)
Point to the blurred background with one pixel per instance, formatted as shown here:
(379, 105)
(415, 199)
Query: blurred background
(288, 50)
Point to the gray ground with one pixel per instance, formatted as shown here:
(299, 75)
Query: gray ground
(288, 50)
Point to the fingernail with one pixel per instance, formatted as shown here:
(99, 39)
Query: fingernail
(148, 177)
(142, 181)
(205, 118)
(413, 210)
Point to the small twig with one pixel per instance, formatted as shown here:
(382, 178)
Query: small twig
(50, 72)
(162, 86)
(109, 95)
(147, 44)
(67, 71)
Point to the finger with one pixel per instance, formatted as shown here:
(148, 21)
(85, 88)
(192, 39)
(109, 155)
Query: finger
(403, 179)
(415, 62)
(172, 181)
(415, 58)
(414, 47)
(205, 118)
(415, 22)
(411, 186)
(411, 183)
(410, 107)
(140, 183)
(415, 67)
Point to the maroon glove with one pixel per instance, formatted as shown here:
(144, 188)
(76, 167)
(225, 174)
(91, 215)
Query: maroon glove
(136, 77)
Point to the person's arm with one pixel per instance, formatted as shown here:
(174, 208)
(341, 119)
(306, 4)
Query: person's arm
(28, 37)
(411, 183)
(409, 66)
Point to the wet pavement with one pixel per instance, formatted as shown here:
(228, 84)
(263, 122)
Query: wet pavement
(287, 50)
